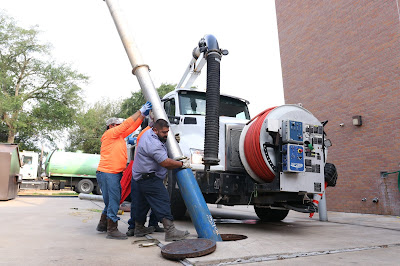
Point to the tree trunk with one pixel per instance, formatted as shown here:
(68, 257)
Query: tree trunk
(11, 135)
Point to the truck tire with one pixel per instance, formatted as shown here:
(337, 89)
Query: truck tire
(97, 190)
(270, 215)
(330, 174)
(85, 186)
(56, 186)
(178, 207)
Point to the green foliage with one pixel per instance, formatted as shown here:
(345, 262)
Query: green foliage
(37, 95)
(90, 126)
(132, 104)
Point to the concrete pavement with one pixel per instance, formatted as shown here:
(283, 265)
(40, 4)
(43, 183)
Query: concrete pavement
(61, 231)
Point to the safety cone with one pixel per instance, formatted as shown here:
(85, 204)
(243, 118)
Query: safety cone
(316, 199)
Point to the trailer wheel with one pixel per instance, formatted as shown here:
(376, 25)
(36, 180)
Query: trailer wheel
(270, 215)
(85, 186)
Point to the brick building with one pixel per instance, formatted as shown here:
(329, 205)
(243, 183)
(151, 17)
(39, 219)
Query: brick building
(342, 59)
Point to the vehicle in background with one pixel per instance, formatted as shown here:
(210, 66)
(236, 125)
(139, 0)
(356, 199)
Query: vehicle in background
(29, 165)
(72, 169)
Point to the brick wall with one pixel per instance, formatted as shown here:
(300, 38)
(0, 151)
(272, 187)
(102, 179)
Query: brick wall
(340, 59)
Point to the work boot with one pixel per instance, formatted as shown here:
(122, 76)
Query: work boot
(113, 232)
(131, 232)
(102, 226)
(158, 229)
(140, 230)
(171, 233)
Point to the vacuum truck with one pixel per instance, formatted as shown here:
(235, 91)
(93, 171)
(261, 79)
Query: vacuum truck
(275, 161)
(72, 169)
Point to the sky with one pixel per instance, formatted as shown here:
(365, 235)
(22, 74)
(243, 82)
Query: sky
(82, 34)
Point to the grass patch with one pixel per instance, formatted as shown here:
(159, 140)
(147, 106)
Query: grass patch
(95, 210)
(65, 194)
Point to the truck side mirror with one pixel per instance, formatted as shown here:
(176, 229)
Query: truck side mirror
(174, 119)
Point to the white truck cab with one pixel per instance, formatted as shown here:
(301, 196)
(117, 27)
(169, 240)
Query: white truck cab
(186, 111)
(29, 165)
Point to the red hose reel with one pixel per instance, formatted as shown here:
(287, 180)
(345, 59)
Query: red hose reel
(253, 150)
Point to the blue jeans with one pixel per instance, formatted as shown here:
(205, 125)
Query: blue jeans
(150, 193)
(111, 188)
(153, 219)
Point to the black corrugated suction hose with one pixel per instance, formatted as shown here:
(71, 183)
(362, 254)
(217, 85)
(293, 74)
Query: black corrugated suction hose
(211, 140)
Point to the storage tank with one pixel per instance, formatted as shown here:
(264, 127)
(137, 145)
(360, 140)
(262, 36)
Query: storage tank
(72, 164)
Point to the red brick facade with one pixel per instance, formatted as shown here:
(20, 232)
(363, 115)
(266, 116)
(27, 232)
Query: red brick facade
(341, 59)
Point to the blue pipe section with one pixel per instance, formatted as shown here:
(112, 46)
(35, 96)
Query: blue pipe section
(196, 205)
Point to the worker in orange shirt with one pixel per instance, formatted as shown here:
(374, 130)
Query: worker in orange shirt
(113, 159)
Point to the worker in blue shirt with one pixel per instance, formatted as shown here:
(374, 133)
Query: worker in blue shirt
(148, 172)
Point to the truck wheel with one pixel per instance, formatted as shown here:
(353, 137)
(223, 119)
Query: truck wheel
(178, 207)
(97, 190)
(85, 186)
(56, 186)
(270, 215)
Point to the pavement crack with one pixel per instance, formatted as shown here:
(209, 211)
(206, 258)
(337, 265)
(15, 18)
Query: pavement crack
(365, 225)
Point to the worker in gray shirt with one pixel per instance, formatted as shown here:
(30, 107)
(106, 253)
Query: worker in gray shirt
(148, 172)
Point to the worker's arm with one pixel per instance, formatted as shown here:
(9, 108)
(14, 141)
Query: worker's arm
(137, 115)
(118, 131)
(171, 164)
(124, 129)
(135, 125)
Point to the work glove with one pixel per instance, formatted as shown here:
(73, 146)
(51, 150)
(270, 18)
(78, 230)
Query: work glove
(186, 163)
(145, 110)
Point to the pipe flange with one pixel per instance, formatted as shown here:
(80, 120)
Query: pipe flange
(137, 66)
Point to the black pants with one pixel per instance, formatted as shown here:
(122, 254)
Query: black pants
(150, 193)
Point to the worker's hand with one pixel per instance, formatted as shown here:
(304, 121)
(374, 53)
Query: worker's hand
(146, 108)
(186, 163)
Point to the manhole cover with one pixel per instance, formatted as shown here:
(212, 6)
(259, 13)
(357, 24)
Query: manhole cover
(188, 248)
(232, 237)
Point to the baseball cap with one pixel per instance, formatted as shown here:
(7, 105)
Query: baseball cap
(114, 120)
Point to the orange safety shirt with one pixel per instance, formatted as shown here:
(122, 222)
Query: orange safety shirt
(113, 152)
(141, 133)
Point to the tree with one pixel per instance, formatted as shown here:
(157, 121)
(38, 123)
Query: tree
(132, 104)
(90, 126)
(37, 95)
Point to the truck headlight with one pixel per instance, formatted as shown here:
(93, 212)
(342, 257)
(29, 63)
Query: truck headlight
(196, 156)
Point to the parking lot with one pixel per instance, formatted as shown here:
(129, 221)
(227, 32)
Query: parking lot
(61, 231)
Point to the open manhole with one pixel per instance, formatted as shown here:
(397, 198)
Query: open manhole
(232, 237)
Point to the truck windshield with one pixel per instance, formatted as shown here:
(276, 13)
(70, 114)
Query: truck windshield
(194, 103)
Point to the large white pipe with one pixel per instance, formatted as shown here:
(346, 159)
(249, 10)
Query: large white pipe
(84, 196)
(141, 71)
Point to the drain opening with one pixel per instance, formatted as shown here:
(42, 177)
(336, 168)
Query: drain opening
(232, 237)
